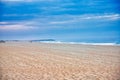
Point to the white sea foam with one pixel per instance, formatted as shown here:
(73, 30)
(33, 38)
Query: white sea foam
(83, 43)
(100, 43)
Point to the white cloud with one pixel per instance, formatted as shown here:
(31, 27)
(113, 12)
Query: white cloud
(16, 27)
(61, 22)
(58, 21)
(2, 23)
(105, 16)
(78, 18)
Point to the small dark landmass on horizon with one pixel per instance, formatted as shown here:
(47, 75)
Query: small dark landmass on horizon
(2, 41)
(39, 40)
(42, 40)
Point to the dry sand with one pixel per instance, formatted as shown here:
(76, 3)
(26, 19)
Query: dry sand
(43, 61)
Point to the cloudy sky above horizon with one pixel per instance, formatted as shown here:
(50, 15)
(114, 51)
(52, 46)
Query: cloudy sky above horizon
(64, 20)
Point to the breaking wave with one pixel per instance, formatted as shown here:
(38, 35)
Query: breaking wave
(83, 43)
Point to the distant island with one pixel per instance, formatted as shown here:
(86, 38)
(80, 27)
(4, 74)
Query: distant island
(38, 40)
(42, 40)
(2, 41)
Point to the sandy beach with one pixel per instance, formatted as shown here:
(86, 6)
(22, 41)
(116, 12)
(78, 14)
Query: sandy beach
(50, 61)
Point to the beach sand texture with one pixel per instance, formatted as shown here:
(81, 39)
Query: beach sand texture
(45, 61)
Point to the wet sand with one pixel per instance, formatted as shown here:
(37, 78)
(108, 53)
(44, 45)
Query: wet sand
(45, 61)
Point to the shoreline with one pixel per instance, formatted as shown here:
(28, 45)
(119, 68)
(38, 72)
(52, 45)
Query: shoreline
(74, 43)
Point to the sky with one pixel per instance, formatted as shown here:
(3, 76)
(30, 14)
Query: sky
(62, 20)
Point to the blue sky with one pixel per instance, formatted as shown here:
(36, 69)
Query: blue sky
(63, 20)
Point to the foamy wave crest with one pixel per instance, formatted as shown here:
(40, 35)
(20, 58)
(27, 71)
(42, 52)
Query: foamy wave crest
(52, 42)
(83, 43)
(99, 43)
